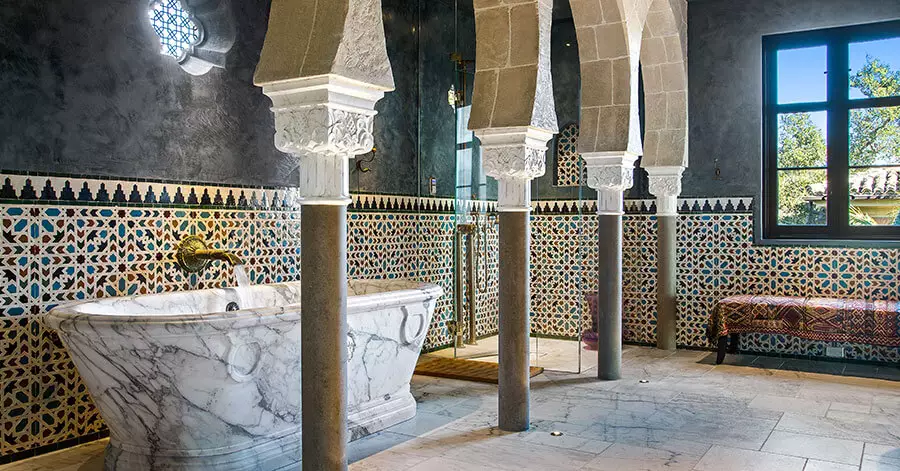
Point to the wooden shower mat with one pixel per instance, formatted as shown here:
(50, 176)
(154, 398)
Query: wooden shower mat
(466, 370)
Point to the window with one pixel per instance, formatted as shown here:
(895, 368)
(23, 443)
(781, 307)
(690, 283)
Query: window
(178, 32)
(831, 128)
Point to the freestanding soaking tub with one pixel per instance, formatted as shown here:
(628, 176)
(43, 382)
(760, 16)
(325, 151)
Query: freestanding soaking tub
(210, 380)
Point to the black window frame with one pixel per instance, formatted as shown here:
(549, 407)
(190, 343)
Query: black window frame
(838, 105)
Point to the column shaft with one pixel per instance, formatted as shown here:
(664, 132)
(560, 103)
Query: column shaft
(515, 308)
(666, 258)
(609, 351)
(323, 297)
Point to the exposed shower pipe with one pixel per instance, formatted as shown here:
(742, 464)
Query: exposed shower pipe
(464, 231)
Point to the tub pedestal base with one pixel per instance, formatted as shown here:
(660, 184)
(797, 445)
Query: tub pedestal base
(269, 454)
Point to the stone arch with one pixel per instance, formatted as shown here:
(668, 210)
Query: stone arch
(513, 83)
(664, 68)
(609, 45)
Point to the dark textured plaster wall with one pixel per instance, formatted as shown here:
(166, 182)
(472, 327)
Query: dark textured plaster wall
(395, 168)
(725, 77)
(86, 91)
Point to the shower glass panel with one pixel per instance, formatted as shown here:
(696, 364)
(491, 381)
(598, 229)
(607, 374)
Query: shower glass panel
(475, 270)
(563, 253)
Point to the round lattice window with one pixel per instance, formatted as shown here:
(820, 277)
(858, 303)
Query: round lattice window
(197, 33)
(178, 31)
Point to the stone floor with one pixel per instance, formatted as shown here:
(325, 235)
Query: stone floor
(551, 354)
(687, 414)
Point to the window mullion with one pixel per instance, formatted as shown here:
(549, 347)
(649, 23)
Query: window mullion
(838, 137)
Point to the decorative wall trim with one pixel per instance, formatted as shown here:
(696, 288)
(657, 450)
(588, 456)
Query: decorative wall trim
(47, 188)
(89, 190)
(737, 205)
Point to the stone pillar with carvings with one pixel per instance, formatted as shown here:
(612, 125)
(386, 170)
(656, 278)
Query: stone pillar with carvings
(665, 184)
(324, 85)
(514, 156)
(513, 115)
(610, 173)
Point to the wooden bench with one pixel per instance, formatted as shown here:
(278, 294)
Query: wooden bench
(823, 319)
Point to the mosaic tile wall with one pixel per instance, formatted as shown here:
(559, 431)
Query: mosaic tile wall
(563, 271)
(58, 245)
(569, 170)
(716, 258)
(52, 254)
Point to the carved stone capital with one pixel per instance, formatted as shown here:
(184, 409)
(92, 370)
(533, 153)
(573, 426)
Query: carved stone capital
(610, 173)
(665, 184)
(324, 121)
(514, 156)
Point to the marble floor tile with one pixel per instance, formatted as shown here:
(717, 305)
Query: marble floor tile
(714, 428)
(691, 414)
(816, 465)
(387, 461)
(517, 455)
(720, 458)
(882, 434)
(850, 407)
(790, 404)
(881, 457)
(875, 418)
(809, 446)
(448, 464)
(620, 457)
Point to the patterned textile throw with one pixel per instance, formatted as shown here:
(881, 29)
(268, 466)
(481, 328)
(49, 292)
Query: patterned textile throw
(823, 319)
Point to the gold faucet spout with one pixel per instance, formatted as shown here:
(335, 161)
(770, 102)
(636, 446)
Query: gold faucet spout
(193, 255)
(221, 255)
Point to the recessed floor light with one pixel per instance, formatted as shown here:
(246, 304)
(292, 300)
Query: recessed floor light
(556, 433)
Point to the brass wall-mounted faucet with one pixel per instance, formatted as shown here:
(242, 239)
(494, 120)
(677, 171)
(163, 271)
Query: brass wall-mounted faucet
(193, 255)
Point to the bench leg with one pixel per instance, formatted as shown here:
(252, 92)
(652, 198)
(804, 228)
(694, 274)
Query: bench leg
(733, 344)
(723, 345)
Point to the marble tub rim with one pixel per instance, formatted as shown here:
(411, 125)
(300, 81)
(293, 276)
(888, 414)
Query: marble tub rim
(68, 315)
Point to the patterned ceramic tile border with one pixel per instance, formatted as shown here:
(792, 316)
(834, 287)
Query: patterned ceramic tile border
(739, 205)
(24, 188)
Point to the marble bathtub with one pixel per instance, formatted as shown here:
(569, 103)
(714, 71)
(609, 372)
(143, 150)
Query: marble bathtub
(210, 380)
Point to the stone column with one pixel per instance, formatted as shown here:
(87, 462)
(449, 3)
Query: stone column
(610, 173)
(324, 121)
(513, 115)
(665, 184)
(324, 84)
(514, 156)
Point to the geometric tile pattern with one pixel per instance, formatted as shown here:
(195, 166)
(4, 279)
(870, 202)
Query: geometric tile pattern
(69, 251)
(716, 259)
(52, 254)
(563, 271)
(569, 170)
(56, 248)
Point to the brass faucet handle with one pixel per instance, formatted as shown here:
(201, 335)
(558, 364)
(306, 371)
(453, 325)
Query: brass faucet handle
(187, 254)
